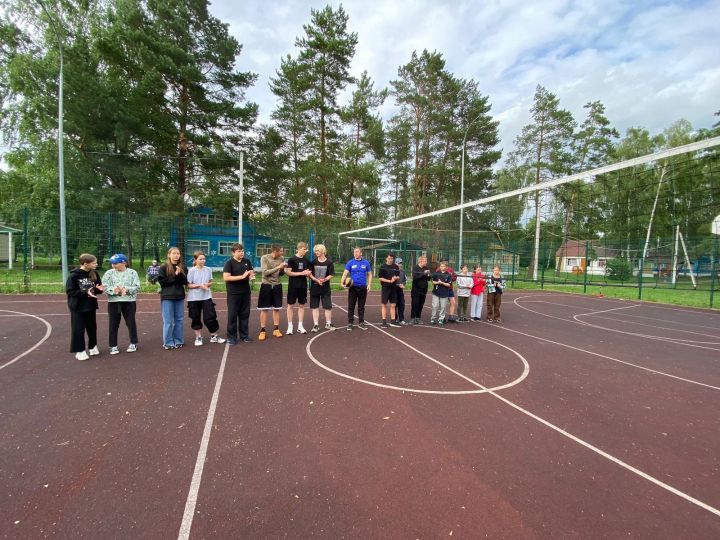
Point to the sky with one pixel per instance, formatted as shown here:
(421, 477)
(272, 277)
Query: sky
(650, 63)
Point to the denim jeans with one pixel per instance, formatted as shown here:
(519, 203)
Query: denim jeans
(173, 315)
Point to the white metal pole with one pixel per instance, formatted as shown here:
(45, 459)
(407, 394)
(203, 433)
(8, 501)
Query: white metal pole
(675, 254)
(10, 251)
(687, 259)
(462, 200)
(240, 198)
(61, 164)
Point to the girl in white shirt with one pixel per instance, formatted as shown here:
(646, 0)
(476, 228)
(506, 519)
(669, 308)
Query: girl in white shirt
(200, 302)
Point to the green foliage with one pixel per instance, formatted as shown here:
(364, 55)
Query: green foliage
(618, 269)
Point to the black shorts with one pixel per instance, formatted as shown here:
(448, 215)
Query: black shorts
(298, 294)
(451, 293)
(325, 298)
(270, 296)
(388, 294)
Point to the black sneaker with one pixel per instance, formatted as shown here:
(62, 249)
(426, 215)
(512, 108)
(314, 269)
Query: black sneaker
(395, 324)
(363, 326)
(349, 328)
(232, 341)
(248, 340)
(419, 322)
(384, 325)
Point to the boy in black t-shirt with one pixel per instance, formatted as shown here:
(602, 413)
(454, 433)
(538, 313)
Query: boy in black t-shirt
(237, 274)
(298, 270)
(389, 275)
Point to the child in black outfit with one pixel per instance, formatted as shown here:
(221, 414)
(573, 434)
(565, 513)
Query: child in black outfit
(82, 287)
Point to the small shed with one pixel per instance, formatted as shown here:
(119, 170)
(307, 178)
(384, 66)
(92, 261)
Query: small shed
(7, 244)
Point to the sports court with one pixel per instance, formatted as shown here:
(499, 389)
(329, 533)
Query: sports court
(577, 417)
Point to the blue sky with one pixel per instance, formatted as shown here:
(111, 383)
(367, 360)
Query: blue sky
(650, 63)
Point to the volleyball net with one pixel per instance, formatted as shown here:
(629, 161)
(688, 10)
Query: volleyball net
(650, 216)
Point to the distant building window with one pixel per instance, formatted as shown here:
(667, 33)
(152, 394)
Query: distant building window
(197, 245)
(573, 261)
(224, 249)
(262, 249)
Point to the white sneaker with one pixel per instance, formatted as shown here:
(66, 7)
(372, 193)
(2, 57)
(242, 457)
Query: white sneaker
(131, 348)
(329, 326)
(94, 351)
(315, 329)
(289, 331)
(217, 339)
(82, 356)
(301, 329)
(198, 341)
(114, 350)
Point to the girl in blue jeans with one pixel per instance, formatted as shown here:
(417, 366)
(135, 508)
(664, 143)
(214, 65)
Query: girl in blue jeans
(172, 278)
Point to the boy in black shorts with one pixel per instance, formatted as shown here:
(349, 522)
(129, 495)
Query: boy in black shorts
(298, 268)
(389, 275)
(272, 267)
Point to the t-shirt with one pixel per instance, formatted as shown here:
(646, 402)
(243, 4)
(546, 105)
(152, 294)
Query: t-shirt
(441, 290)
(198, 276)
(321, 270)
(465, 283)
(358, 270)
(388, 271)
(237, 268)
(297, 264)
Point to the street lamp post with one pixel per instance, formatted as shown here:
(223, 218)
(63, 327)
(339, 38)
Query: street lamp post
(61, 161)
(462, 189)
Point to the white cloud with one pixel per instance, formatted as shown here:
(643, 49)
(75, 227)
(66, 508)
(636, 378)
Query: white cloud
(649, 63)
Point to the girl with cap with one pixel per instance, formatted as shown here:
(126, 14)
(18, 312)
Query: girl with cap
(122, 285)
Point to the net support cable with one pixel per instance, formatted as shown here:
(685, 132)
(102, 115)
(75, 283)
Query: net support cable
(700, 145)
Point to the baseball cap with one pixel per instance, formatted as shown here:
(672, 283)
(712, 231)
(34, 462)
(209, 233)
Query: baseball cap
(398, 260)
(118, 258)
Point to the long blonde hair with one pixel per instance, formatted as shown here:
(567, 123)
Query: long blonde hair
(169, 264)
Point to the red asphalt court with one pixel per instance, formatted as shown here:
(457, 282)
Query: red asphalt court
(576, 418)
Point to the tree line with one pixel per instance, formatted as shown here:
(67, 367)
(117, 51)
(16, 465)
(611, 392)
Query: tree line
(156, 119)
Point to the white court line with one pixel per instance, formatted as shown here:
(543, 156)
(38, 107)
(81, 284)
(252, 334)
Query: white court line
(656, 327)
(191, 501)
(522, 377)
(48, 331)
(587, 445)
(575, 321)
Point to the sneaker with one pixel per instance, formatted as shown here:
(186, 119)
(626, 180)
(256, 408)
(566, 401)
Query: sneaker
(363, 326)
(131, 348)
(262, 335)
(441, 323)
(419, 322)
(349, 328)
(489, 320)
(278, 333)
(114, 350)
(403, 323)
(82, 355)
(179, 345)
(315, 329)
(301, 330)
(168, 347)
(329, 326)
(432, 322)
(198, 341)
(498, 321)
(232, 341)
(384, 325)
(247, 340)
(395, 324)
(217, 339)
(94, 351)
(289, 330)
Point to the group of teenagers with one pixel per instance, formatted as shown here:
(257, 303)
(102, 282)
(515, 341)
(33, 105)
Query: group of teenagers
(456, 297)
